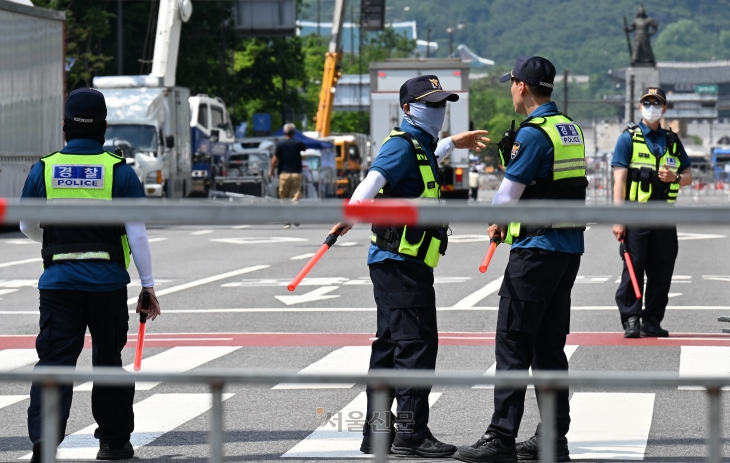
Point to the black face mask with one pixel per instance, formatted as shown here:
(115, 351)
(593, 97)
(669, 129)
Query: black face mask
(93, 131)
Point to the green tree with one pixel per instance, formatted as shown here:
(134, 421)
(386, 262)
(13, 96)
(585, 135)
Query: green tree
(683, 41)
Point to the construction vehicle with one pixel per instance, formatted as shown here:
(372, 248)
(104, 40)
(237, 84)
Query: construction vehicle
(349, 148)
(31, 98)
(152, 114)
(386, 79)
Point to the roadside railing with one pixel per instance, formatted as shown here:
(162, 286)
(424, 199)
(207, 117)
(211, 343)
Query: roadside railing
(546, 382)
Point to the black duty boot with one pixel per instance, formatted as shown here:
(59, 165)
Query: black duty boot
(632, 325)
(109, 450)
(368, 441)
(36, 458)
(428, 447)
(530, 449)
(488, 449)
(650, 328)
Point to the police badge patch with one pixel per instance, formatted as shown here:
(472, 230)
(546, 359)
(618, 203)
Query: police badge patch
(671, 162)
(515, 150)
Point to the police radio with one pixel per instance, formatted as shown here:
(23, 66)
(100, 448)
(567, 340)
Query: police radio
(506, 143)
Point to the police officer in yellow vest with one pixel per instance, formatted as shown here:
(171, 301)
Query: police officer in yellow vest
(546, 161)
(649, 164)
(402, 260)
(84, 281)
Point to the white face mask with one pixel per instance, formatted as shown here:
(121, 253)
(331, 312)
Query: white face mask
(651, 114)
(428, 119)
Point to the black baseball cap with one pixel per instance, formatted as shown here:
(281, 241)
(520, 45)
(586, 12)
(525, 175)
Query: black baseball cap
(85, 106)
(425, 88)
(534, 70)
(656, 92)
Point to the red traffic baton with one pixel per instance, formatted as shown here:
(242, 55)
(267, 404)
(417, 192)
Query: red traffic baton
(140, 335)
(331, 239)
(490, 252)
(630, 266)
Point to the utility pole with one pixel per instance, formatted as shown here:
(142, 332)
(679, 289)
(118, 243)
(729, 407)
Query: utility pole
(120, 67)
(352, 34)
(565, 92)
(428, 41)
(318, 19)
(631, 98)
(450, 30)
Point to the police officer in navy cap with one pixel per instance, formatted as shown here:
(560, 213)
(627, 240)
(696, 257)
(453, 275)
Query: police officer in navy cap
(544, 160)
(402, 260)
(84, 280)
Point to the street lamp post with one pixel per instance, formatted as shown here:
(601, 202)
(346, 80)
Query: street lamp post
(451, 31)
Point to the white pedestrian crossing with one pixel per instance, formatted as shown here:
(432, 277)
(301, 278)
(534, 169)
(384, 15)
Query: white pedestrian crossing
(569, 351)
(153, 417)
(703, 360)
(175, 360)
(11, 359)
(340, 436)
(599, 428)
(345, 360)
(7, 400)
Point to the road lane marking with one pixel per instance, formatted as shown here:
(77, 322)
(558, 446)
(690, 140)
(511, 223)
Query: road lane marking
(609, 426)
(11, 359)
(347, 244)
(340, 436)
(153, 417)
(7, 400)
(202, 232)
(697, 236)
(240, 227)
(203, 281)
(568, 349)
(468, 238)
(318, 294)
(155, 240)
(475, 297)
(345, 360)
(20, 262)
(303, 256)
(259, 240)
(704, 361)
(175, 360)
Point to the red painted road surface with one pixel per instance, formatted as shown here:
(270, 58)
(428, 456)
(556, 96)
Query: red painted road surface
(365, 339)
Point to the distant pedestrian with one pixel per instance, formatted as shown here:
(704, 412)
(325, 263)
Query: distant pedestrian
(288, 162)
(473, 183)
(649, 164)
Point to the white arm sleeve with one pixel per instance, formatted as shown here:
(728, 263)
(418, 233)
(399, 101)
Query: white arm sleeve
(444, 148)
(140, 247)
(508, 192)
(369, 187)
(32, 230)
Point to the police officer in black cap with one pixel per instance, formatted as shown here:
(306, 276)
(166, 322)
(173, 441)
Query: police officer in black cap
(402, 259)
(544, 161)
(84, 281)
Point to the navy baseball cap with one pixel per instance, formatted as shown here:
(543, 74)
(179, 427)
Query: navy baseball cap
(533, 70)
(656, 92)
(86, 106)
(425, 88)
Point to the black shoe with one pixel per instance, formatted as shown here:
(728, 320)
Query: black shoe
(109, 451)
(367, 443)
(530, 449)
(633, 327)
(428, 447)
(650, 328)
(488, 449)
(36, 458)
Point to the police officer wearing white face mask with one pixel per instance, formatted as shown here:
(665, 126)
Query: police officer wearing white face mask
(402, 261)
(649, 164)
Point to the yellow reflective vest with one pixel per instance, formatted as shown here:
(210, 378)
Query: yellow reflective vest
(642, 183)
(426, 244)
(73, 177)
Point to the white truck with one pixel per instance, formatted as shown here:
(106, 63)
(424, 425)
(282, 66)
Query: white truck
(151, 116)
(31, 90)
(386, 79)
(212, 138)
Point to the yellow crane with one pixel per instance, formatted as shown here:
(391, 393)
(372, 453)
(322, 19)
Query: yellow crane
(331, 72)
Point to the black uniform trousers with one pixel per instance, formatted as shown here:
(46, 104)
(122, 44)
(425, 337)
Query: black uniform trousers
(64, 317)
(654, 251)
(532, 325)
(407, 339)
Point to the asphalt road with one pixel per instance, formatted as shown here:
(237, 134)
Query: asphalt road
(217, 282)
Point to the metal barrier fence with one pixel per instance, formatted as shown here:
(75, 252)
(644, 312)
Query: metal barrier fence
(203, 212)
(547, 382)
